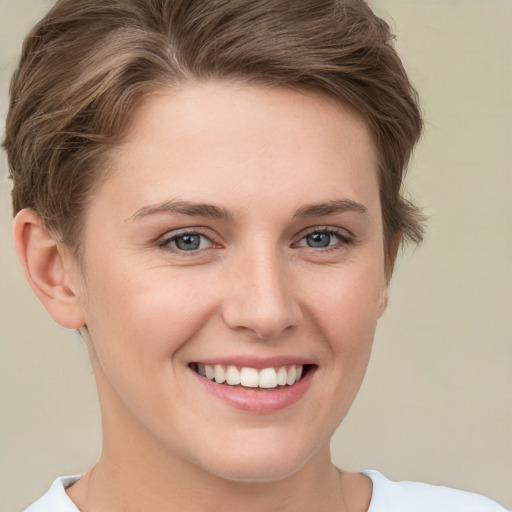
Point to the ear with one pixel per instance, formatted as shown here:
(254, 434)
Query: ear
(392, 251)
(384, 299)
(50, 269)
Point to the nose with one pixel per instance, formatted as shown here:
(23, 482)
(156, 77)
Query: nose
(261, 298)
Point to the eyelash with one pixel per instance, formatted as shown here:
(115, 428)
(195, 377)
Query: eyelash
(344, 240)
(166, 241)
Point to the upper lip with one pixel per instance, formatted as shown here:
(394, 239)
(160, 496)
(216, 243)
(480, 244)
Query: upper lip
(256, 362)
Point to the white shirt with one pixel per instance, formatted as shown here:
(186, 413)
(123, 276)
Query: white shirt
(387, 496)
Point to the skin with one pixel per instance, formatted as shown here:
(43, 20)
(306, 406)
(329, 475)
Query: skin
(254, 287)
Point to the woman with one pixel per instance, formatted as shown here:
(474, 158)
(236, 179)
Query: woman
(210, 193)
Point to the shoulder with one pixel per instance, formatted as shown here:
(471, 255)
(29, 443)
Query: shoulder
(418, 497)
(56, 499)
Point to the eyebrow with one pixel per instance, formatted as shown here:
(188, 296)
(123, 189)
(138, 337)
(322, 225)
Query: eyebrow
(184, 208)
(330, 208)
(211, 211)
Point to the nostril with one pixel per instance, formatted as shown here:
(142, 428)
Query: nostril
(264, 323)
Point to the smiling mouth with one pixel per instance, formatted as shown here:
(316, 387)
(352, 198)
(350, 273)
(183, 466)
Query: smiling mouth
(247, 377)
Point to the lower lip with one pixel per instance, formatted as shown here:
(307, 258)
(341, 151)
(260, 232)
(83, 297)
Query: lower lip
(260, 400)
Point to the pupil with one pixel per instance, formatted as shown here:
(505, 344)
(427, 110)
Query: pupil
(318, 240)
(188, 242)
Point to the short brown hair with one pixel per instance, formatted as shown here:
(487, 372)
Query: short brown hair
(86, 66)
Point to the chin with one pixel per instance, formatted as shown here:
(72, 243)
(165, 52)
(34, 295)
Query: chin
(248, 471)
(262, 462)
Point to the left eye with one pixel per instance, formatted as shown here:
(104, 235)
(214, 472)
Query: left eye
(321, 239)
(187, 242)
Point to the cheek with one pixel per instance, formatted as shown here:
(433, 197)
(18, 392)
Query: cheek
(344, 307)
(143, 319)
(347, 304)
(137, 326)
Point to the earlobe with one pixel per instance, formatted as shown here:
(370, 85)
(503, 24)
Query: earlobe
(383, 301)
(49, 269)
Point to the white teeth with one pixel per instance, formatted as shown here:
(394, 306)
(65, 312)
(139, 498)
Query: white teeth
(292, 376)
(220, 374)
(232, 376)
(209, 372)
(249, 377)
(266, 378)
(282, 375)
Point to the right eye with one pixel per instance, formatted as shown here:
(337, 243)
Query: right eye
(188, 241)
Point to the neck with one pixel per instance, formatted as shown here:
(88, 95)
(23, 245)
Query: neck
(161, 482)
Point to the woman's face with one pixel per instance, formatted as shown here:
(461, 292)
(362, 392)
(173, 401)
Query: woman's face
(239, 235)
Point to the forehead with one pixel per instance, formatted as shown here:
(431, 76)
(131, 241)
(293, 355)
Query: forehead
(231, 141)
(220, 106)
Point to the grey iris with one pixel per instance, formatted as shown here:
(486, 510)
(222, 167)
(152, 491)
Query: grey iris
(318, 239)
(188, 242)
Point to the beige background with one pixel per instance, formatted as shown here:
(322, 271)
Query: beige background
(437, 402)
